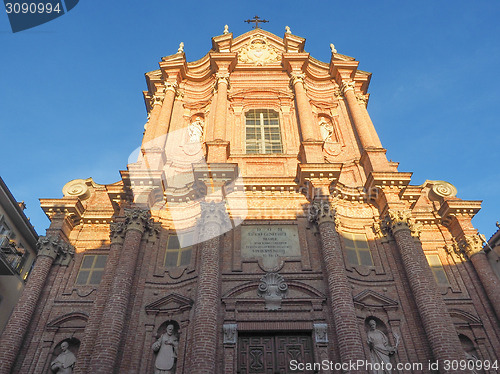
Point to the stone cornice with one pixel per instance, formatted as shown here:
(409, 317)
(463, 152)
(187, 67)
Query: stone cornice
(383, 179)
(452, 207)
(69, 207)
(326, 172)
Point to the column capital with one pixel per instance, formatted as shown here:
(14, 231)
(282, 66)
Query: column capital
(136, 219)
(397, 220)
(222, 77)
(297, 77)
(321, 211)
(214, 219)
(171, 86)
(346, 86)
(470, 245)
(117, 232)
(55, 248)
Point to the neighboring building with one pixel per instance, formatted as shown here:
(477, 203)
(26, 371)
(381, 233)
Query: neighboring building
(17, 251)
(493, 251)
(266, 231)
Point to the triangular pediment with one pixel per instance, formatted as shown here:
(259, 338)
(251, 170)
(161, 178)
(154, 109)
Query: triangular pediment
(372, 299)
(170, 304)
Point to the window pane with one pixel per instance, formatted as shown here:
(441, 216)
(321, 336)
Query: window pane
(365, 258)
(87, 262)
(173, 242)
(185, 257)
(171, 259)
(83, 276)
(352, 258)
(440, 276)
(349, 243)
(96, 276)
(100, 263)
(262, 123)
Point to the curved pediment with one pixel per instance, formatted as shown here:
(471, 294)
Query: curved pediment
(72, 321)
(461, 317)
(297, 290)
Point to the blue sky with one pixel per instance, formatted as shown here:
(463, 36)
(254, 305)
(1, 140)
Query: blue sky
(71, 90)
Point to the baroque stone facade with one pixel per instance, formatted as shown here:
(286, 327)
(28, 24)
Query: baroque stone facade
(261, 225)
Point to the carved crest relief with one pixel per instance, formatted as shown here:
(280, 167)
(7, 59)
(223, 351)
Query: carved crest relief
(258, 52)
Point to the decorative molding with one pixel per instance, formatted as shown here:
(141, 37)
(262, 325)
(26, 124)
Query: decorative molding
(54, 247)
(320, 332)
(272, 289)
(136, 219)
(443, 189)
(230, 333)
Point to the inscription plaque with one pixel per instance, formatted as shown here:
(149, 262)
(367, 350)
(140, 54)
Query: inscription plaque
(269, 243)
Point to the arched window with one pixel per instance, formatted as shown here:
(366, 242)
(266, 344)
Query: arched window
(263, 134)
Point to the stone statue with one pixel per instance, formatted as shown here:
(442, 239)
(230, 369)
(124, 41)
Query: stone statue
(287, 30)
(332, 48)
(64, 363)
(195, 131)
(166, 352)
(181, 48)
(380, 350)
(226, 29)
(326, 129)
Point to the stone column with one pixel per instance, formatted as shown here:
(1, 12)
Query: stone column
(206, 326)
(49, 248)
(436, 320)
(163, 124)
(362, 123)
(339, 290)
(103, 360)
(152, 123)
(472, 246)
(117, 234)
(218, 147)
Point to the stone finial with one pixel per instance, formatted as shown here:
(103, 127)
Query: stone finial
(226, 29)
(287, 30)
(55, 248)
(272, 289)
(471, 244)
(320, 332)
(498, 224)
(181, 48)
(136, 219)
(332, 48)
(322, 211)
(230, 333)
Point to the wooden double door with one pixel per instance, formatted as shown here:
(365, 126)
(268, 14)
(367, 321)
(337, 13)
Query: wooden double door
(273, 353)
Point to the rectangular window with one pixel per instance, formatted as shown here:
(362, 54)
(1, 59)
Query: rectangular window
(178, 251)
(357, 249)
(437, 270)
(263, 133)
(92, 269)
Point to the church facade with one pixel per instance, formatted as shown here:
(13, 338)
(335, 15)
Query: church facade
(260, 228)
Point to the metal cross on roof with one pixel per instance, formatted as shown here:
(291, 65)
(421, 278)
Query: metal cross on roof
(256, 20)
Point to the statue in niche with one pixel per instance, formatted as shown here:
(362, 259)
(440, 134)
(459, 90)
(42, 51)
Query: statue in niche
(380, 350)
(64, 362)
(166, 351)
(326, 129)
(195, 131)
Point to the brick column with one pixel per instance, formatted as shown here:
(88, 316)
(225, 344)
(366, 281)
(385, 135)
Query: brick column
(117, 234)
(108, 340)
(206, 326)
(362, 123)
(218, 147)
(49, 248)
(339, 290)
(152, 123)
(436, 320)
(472, 246)
(163, 124)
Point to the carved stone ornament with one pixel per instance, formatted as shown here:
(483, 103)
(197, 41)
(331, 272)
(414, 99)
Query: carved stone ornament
(443, 189)
(258, 52)
(156, 99)
(272, 289)
(117, 232)
(171, 86)
(136, 219)
(56, 248)
(226, 29)
(347, 86)
(287, 30)
(322, 211)
(214, 219)
(77, 188)
(470, 244)
(321, 332)
(230, 333)
(332, 48)
(221, 77)
(362, 99)
(396, 220)
(181, 48)
(297, 78)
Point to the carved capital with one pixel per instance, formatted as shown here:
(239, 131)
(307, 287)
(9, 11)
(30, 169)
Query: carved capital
(117, 232)
(272, 289)
(470, 245)
(171, 86)
(156, 99)
(222, 77)
(297, 78)
(346, 86)
(322, 211)
(55, 248)
(320, 332)
(136, 219)
(214, 219)
(362, 99)
(230, 333)
(397, 220)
